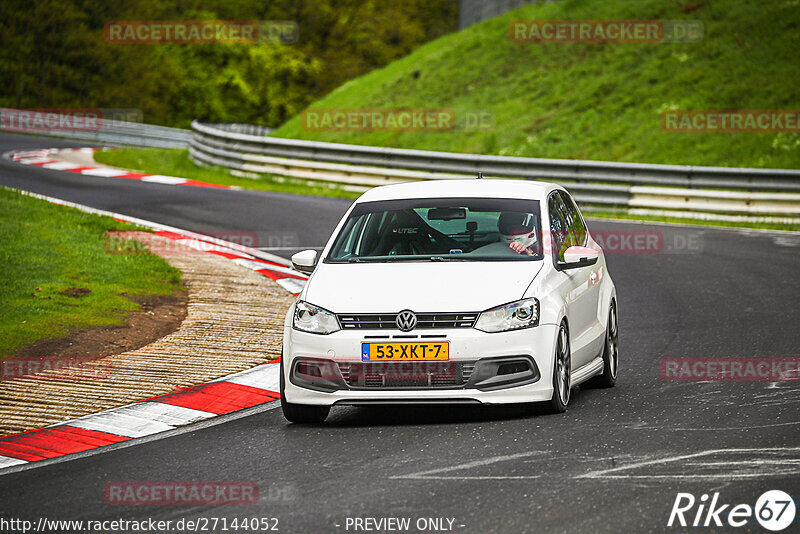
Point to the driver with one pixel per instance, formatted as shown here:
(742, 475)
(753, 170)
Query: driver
(518, 231)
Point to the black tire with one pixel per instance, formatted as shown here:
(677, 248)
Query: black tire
(562, 373)
(610, 353)
(306, 414)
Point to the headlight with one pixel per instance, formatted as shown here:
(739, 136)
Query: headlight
(513, 316)
(310, 318)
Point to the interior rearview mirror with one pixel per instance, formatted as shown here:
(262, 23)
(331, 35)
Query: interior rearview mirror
(446, 214)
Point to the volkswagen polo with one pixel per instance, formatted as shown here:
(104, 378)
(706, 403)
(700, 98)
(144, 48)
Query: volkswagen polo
(453, 291)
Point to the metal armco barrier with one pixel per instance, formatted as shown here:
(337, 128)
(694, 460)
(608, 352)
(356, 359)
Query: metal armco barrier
(773, 192)
(114, 132)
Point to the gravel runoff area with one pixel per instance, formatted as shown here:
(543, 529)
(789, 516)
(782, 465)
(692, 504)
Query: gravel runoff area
(234, 321)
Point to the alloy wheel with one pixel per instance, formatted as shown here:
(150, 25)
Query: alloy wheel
(612, 341)
(563, 365)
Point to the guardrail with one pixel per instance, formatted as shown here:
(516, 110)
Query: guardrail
(672, 187)
(114, 132)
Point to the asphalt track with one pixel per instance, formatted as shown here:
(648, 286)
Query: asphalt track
(613, 463)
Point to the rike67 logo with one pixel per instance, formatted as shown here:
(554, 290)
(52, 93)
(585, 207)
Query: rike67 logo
(774, 510)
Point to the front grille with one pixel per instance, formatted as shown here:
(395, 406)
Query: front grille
(374, 321)
(405, 375)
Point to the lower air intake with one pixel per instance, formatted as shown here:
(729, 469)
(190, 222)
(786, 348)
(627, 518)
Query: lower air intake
(406, 375)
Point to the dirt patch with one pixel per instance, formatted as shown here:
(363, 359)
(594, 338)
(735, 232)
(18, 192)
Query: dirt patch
(75, 292)
(160, 315)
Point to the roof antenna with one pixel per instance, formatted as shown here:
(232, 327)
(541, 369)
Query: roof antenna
(480, 175)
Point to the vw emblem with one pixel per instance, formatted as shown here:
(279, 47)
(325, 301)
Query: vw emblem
(406, 320)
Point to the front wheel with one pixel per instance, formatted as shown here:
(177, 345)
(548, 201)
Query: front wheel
(561, 373)
(610, 353)
(301, 413)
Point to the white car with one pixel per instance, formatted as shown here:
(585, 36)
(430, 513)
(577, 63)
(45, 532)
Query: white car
(453, 291)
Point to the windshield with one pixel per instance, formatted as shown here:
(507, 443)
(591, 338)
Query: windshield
(449, 229)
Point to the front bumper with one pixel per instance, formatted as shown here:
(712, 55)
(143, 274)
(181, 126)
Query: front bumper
(467, 346)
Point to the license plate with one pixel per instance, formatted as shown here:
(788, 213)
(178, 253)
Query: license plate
(396, 352)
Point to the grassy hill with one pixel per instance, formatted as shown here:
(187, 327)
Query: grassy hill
(595, 101)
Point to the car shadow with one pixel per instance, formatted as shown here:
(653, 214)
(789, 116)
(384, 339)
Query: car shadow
(400, 415)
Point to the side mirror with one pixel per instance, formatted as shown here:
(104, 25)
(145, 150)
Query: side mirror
(305, 261)
(575, 257)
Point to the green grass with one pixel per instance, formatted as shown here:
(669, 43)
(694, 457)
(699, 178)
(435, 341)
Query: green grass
(46, 250)
(176, 162)
(595, 101)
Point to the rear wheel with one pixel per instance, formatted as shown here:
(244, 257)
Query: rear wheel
(561, 373)
(610, 353)
(301, 413)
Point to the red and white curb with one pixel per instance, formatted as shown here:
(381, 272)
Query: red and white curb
(47, 159)
(185, 406)
(144, 418)
(289, 279)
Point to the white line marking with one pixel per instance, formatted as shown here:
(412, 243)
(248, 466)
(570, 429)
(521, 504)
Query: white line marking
(717, 429)
(730, 477)
(499, 477)
(433, 473)
(766, 461)
(5, 461)
(612, 473)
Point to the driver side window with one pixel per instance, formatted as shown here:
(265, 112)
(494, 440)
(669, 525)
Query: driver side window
(561, 236)
(573, 217)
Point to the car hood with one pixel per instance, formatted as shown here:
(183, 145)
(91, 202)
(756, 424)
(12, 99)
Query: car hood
(456, 286)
